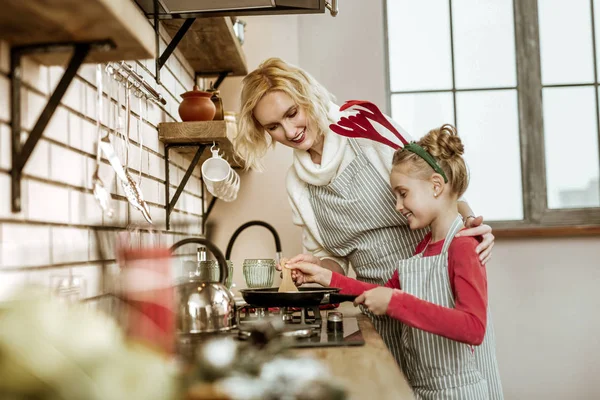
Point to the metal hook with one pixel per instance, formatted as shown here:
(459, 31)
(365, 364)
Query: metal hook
(213, 145)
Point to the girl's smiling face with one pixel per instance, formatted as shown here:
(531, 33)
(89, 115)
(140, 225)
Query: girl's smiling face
(414, 197)
(285, 121)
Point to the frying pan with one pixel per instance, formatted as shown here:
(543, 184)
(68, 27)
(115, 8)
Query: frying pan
(305, 297)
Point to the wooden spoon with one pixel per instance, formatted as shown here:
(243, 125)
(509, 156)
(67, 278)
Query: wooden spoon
(287, 283)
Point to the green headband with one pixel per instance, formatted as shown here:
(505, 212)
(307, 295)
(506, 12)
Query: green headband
(424, 154)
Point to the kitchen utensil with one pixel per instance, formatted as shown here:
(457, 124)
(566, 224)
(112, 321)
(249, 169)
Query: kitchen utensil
(204, 307)
(196, 106)
(130, 186)
(287, 283)
(259, 273)
(309, 296)
(335, 321)
(101, 194)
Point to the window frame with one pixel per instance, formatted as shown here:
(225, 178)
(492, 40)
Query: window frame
(538, 219)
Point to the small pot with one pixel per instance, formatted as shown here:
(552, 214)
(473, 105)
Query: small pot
(197, 106)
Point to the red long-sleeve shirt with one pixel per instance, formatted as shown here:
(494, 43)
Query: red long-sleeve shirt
(466, 322)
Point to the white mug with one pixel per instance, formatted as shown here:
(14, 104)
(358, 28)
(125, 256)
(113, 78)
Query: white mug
(220, 179)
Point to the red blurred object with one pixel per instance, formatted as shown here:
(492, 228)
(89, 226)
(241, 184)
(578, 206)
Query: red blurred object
(147, 289)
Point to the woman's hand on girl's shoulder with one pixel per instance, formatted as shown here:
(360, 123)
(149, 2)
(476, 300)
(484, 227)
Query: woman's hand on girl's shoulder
(476, 227)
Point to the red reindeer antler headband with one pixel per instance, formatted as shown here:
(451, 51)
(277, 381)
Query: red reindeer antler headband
(359, 126)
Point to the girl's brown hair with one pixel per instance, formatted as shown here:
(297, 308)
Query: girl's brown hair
(274, 74)
(446, 147)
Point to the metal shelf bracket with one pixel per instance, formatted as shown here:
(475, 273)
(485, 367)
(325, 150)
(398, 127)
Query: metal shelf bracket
(170, 203)
(162, 60)
(22, 151)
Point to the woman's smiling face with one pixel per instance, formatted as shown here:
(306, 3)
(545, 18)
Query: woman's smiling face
(285, 121)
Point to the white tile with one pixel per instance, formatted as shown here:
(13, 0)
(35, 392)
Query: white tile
(69, 167)
(161, 194)
(87, 72)
(91, 276)
(58, 127)
(43, 277)
(75, 96)
(38, 163)
(55, 73)
(91, 101)
(168, 81)
(175, 158)
(120, 216)
(149, 189)
(84, 209)
(186, 83)
(193, 186)
(82, 134)
(32, 107)
(174, 174)
(156, 166)
(4, 98)
(102, 245)
(5, 147)
(4, 57)
(157, 214)
(150, 136)
(24, 245)
(155, 114)
(46, 202)
(35, 75)
(69, 245)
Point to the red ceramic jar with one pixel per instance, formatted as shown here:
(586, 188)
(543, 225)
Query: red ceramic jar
(197, 106)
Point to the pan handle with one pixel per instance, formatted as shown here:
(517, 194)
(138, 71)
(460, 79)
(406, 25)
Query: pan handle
(334, 298)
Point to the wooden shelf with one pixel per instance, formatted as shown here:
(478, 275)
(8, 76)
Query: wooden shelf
(210, 46)
(206, 132)
(26, 22)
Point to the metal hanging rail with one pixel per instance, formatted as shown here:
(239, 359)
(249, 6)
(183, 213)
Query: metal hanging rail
(124, 71)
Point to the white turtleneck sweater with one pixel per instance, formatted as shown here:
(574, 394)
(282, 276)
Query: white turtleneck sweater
(337, 154)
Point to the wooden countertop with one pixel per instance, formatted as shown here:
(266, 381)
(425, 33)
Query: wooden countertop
(367, 372)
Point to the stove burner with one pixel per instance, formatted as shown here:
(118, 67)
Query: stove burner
(289, 315)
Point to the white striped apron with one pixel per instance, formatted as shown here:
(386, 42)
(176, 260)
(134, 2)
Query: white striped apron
(436, 367)
(357, 220)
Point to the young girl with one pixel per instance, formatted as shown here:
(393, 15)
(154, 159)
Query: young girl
(440, 294)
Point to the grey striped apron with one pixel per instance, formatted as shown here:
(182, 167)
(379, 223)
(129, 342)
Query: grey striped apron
(357, 220)
(436, 367)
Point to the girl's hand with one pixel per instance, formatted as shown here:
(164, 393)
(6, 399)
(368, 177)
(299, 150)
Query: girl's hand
(309, 258)
(305, 272)
(476, 227)
(376, 300)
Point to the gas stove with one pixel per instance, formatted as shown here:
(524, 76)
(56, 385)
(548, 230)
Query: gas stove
(301, 326)
(306, 325)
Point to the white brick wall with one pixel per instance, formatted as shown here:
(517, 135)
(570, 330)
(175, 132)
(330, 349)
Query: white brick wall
(56, 232)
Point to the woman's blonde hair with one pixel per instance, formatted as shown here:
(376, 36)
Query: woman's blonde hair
(274, 74)
(447, 149)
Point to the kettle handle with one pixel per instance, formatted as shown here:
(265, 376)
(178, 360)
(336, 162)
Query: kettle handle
(213, 249)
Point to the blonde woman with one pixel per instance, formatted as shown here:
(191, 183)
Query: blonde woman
(338, 187)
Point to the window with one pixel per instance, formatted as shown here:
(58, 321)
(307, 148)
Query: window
(520, 82)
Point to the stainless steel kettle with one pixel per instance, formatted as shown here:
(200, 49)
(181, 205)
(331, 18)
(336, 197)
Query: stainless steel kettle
(202, 306)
